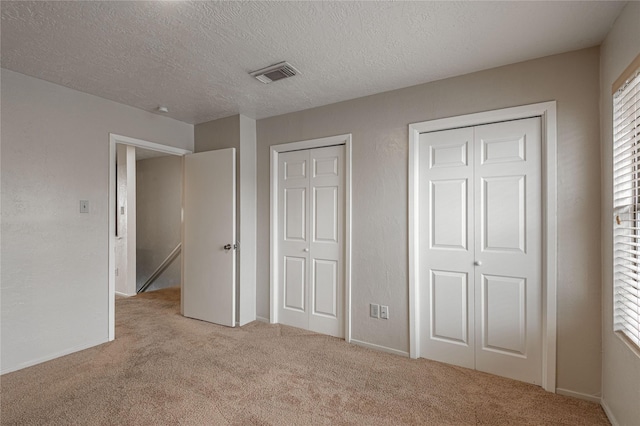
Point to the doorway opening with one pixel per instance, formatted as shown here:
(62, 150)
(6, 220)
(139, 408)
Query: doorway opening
(148, 219)
(139, 256)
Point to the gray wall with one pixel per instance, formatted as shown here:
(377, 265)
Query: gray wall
(158, 219)
(379, 125)
(217, 134)
(620, 365)
(55, 152)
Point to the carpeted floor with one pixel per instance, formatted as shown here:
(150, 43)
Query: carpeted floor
(166, 369)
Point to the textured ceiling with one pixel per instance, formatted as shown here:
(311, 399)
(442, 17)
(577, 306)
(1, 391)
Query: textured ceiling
(194, 56)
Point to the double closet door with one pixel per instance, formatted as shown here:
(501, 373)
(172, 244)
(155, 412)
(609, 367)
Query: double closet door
(311, 239)
(480, 248)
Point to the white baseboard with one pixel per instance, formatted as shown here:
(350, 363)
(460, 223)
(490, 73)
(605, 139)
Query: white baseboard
(608, 412)
(49, 357)
(380, 348)
(579, 395)
(124, 294)
(262, 319)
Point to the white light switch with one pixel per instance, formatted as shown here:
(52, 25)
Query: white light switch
(84, 206)
(384, 312)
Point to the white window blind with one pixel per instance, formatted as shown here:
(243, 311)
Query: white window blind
(626, 205)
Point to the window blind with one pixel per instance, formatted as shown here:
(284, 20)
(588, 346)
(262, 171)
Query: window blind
(626, 205)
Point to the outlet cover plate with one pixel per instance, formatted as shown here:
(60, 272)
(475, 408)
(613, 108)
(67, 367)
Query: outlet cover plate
(384, 312)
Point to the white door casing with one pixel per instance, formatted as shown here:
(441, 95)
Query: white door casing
(324, 309)
(209, 213)
(311, 239)
(495, 281)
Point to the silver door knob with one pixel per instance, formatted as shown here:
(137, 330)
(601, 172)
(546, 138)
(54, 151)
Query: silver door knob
(478, 263)
(306, 249)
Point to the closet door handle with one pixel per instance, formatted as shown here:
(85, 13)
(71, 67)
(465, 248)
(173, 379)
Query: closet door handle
(306, 250)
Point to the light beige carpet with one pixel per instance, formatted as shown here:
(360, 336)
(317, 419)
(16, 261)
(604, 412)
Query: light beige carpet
(166, 369)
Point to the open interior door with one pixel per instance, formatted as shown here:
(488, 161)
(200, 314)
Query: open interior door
(209, 237)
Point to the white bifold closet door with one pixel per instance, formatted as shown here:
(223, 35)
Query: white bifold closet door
(311, 239)
(480, 248)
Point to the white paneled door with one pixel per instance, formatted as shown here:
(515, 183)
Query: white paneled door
(480, 248)
(311, 239)
(209, 236)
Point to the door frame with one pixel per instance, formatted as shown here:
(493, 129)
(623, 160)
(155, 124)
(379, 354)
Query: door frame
(115, 139)
(273, 197)
(547, 112)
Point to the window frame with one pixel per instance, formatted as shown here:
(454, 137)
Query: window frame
(626, 205)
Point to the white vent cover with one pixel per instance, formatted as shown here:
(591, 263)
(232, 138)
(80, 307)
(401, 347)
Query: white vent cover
(275, 72)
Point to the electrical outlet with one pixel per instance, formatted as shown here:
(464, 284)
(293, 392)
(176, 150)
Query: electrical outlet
(384, 312)
(374, 310)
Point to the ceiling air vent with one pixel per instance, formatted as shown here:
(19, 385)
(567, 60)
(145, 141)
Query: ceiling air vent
(275, 72)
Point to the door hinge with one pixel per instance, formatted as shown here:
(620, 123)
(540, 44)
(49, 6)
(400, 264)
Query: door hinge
(234, 246)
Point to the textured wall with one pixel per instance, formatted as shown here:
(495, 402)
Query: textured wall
(158, 219)
(620, 365)
(55, 152)
(217, 134)
(379, 125)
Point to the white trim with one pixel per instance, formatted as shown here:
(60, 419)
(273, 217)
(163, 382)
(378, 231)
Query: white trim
(113, 140)
(547, 112)
(609, 413)
(273, 231)
(380, 348)
(49, 357)
(139, 143)
(119, 293)
(262, 319)
(579, 395)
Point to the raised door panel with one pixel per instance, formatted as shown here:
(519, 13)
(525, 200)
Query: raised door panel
(449, 214)
(503, 149)
(449, 292)
(295, 283)
(503, 214)
(295, 168)
(295, 214)
(325, 288)
(504, 322)
(325, 214)
(449, 154)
